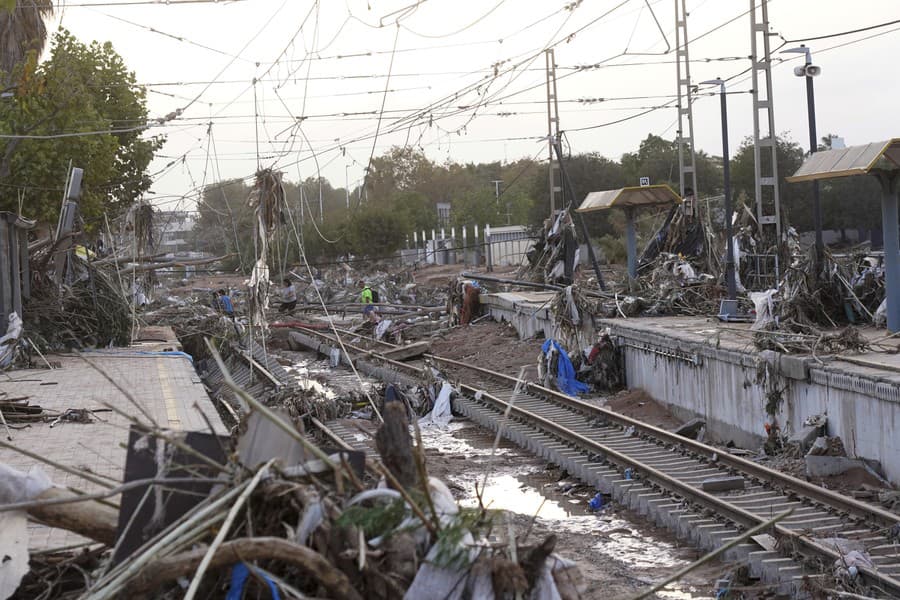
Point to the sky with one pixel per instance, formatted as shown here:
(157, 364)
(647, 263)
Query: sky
(317, 88)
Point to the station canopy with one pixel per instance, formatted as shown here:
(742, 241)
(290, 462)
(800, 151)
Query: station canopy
(853, 160)
(630, 197)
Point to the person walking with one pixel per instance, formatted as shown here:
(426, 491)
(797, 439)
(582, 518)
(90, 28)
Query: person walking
(288, 297)
(225, 304)
(366, 296)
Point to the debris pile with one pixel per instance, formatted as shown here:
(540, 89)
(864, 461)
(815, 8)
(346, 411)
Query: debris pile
(92, 310)
(672, 285)
(279, 513)
(791, 318)
(17, 409)
(682, 236)
(340, 284)
(555, 254)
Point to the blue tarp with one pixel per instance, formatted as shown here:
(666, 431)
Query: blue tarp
(565, 372)
(239, 575)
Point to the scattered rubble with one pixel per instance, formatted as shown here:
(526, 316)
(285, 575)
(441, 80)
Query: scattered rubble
(300, 519)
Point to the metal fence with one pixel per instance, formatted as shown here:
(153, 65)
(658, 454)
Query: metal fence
(487, 246)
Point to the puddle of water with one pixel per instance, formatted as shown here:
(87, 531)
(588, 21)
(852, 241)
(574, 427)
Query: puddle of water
(512, 486)
(447, 441)
(506, 492)
(309, 372)
(621, 540)
(302, 376)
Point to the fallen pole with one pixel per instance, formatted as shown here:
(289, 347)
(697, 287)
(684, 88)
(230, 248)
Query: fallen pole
(531, 284)
(174, 263)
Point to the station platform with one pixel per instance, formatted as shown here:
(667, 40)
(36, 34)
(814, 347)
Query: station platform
(160, 379)
(702, 367)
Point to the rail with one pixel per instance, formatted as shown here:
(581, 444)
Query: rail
(866, 513)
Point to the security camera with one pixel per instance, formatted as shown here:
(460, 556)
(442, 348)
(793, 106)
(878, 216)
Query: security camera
(807, 71)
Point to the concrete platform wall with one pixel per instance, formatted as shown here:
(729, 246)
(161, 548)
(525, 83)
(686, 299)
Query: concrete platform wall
(730, 388)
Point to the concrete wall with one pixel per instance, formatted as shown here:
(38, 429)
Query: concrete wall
(730, 388)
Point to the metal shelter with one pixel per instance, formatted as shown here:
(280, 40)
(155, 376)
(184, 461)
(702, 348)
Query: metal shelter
(629, 199)
(881, 160)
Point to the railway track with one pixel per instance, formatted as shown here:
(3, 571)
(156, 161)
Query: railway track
(662, 475)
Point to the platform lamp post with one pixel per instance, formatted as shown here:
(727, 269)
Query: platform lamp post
(729, 306)
(808, 71)
(347, 185)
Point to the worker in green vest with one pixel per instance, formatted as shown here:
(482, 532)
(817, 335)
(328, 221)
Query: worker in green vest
(366, 296)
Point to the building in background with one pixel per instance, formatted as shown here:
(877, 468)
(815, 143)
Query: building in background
(174, 229)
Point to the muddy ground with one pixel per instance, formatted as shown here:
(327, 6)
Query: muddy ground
(490, 345)
(618, 552)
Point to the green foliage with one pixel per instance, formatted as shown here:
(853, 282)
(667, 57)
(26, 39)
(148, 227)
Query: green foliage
(226, 222)
(419, 213)
(794, 199)
(79, 89)
(451, 552)
(374, 521)
(375, 231)
(476, 207)
(613, 249)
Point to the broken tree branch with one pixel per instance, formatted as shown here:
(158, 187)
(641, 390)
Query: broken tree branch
(154, 575)
(85, 517)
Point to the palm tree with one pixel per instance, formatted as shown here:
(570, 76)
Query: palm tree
(22, 30)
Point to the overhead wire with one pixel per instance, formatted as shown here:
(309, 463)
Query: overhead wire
(173, 36)
(241, 51)
(461, 29)
(840, 33)
(421, 111)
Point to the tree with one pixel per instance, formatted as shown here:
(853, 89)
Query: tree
(476, 207)
(849, 202)
(657, 158)
(588, 172)
(416, 209)
(376, 231)
(226, 222)
(398, 170)
(22, 31)
(79, 89)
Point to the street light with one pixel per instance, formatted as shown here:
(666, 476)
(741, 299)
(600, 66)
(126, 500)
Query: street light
(729, 307)
(347, 185)
(808, 70)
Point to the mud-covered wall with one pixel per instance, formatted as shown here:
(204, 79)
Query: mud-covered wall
(738, 392)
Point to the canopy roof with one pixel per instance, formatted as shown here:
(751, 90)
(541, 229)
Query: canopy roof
(648, 195)
(844, 162)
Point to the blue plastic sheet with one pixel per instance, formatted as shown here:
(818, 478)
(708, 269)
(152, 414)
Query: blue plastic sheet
(239, 575)
(565, 372)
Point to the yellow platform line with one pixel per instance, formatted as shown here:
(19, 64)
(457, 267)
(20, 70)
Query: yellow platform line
(168, 397)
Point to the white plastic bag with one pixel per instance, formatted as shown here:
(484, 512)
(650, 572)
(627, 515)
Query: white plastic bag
(9, 341)
(765, 308)
(440, 415)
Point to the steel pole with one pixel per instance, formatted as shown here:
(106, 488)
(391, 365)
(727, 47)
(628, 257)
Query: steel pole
(631, 242)
(729, 233)
(813, 146)
(889, 224)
